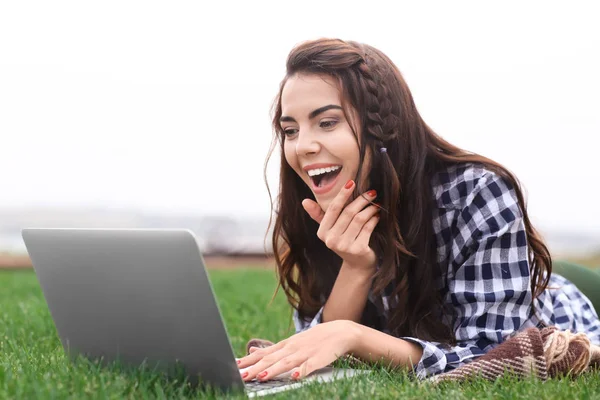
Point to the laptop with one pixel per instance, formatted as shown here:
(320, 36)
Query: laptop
(142, 297)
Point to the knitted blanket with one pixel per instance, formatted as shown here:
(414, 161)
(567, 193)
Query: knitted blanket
(544, 353)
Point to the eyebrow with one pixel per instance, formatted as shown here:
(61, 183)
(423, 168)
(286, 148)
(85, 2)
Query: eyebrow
(313, 114)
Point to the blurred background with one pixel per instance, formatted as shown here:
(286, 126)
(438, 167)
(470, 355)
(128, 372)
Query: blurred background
(157, 114)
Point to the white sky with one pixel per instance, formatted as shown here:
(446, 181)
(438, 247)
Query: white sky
(165, 106)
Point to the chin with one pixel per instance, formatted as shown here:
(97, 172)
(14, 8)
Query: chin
(324, 204)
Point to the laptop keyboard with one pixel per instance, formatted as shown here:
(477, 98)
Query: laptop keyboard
(255, 386)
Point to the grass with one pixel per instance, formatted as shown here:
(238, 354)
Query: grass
(33, 365)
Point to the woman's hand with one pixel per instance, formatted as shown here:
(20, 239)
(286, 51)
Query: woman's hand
(302, 353)
(347, 229)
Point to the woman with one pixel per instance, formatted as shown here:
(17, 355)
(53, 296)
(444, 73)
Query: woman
(392, 244)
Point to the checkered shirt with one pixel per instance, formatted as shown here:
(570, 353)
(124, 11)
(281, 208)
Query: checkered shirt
(481, 241)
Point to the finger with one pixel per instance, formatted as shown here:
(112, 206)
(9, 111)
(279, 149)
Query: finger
(252, 359)
(336, 206)
(358, 222)
(258, 370)
(313, 209)
(282, 366)
(311, 365)
(257, 355)
(365, 233)
(350, 212)
(252, 349)
(300, 372)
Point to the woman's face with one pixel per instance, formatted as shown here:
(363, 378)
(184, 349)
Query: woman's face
(318, 141)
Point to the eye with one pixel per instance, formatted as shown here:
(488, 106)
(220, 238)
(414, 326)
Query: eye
(289, 132)
(328, 124)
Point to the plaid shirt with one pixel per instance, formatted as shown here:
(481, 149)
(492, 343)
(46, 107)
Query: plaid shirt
(481, 240)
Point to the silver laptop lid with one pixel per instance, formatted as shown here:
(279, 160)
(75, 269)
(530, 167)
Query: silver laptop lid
(133, 295)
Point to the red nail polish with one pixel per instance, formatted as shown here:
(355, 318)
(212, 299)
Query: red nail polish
(372, 193)
(262, 374)
(295, 375)
(245, 374)
(349, 184)
(239, 361)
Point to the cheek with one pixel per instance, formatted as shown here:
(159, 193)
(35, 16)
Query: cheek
(289, 152)
(324, 204)
(353, 156)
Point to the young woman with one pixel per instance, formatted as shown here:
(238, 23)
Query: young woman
(392, 244)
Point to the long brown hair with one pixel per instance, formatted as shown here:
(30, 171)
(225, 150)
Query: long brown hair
(404, 240)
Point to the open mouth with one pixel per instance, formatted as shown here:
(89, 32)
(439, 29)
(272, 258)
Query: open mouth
(324, 179)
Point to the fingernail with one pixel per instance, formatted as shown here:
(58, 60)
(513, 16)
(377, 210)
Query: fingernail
(262, 374)
(349, 184)
(295, 375)
(245, 374)
(239, 361)
(372, 193)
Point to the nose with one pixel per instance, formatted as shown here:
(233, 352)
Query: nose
(307, 143)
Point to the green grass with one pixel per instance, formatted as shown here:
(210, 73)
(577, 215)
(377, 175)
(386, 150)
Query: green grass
(33, 365)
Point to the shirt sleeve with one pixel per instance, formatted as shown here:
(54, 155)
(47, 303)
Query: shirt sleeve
(488, 277)
(304, 324)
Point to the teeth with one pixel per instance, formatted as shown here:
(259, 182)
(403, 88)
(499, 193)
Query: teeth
(320, 171)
